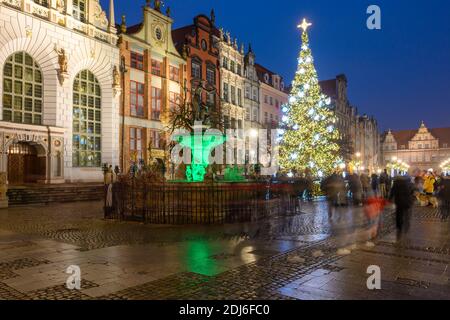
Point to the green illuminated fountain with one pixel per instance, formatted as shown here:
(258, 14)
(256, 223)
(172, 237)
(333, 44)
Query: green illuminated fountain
(201, 145)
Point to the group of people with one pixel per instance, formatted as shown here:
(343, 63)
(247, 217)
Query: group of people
(357, 187)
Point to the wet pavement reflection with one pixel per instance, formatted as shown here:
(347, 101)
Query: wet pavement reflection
(128, 260)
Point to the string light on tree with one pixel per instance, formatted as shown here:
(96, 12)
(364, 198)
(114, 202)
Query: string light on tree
(308, 119)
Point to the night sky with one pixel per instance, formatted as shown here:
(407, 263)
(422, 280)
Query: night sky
(400, 74)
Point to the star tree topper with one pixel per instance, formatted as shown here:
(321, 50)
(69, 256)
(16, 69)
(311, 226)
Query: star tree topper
(304, 25)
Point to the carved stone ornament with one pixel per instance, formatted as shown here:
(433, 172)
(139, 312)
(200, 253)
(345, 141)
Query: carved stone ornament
(116, 82)
(100, 18)
(61, 6)
(63, 62)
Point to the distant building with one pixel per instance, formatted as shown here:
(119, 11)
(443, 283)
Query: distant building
(272, 96)
(360, 138)
(421, 149)
(252, 90)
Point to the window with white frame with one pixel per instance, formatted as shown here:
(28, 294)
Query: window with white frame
(87, 122)
(22, 90)
(79, 10)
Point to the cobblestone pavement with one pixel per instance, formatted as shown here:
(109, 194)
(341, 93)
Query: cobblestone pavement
(306, 256)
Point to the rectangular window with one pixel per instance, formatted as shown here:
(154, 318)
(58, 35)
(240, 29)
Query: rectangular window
(255, 94)
(247, 114)
(137, 60)
(174, 100)
(225, 62)
(266, 117)
(156, 103)
(266, 99)
(226, 122)
(232, 66)
(174, 73)
(225, 92)
(239, 97)
(79, 10)
(196, 70)
(255, 115)
(247, 92)
(137, 99)
(233, 94)
(136, 145)
(271, 101)
(155, 137)
(210, 99)
(211, 76)
(277, 104)
(445, 145)
(156, 68)
(239, 69)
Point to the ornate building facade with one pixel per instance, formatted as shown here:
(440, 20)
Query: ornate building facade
(421, 149)
(153, 85)
(198, 46)
(251, 92)
(273, 95)
(360, 138)
(59, 96)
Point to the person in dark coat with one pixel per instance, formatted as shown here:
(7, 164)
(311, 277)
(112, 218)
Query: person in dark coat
(402, 193)
(331, 189)
(375, 182)
(355, 187)
(384, 184)
(444, 197)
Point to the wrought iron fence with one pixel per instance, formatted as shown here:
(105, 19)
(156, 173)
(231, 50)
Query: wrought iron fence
(216, 203)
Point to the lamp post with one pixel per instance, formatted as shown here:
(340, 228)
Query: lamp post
(254, 134)
(123, 71)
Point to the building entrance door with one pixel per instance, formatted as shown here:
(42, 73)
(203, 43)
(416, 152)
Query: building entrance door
(24, 164)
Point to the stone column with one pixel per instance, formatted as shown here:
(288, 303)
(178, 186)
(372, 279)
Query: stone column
(3, 189)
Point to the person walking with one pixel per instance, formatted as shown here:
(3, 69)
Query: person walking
(365, 182)
(428, 186)
(403, 195)
(444, 197)
(331, 189)
(375, 184)
(355, 187)
(384, 180)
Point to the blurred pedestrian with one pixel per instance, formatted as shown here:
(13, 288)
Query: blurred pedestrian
(428, 187)
(384, 181)
(403, 195)
(355, 187)
(375, 184)
(330, 186)
(444, 197)
(365, 182)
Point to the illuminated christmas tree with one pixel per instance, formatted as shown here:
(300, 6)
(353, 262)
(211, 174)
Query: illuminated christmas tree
(308, 141)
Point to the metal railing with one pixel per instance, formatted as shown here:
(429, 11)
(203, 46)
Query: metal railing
(216, 203)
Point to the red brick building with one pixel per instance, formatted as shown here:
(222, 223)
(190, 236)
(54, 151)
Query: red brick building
(196, 44)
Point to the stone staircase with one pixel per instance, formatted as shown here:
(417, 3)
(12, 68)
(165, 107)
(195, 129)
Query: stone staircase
(45, 194)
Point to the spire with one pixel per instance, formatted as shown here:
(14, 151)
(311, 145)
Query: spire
(213, 17)
(112, 17)
(250, 50)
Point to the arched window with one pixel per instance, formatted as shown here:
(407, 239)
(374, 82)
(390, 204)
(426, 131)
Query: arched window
(22, 90)
(87, 128)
